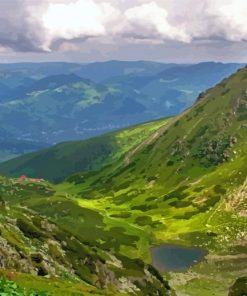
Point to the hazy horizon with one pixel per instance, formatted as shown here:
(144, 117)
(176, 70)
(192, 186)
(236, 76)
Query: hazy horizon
(120, 61)
(92, 30)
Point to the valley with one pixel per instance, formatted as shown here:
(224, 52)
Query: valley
(55, 102)
(87, 214)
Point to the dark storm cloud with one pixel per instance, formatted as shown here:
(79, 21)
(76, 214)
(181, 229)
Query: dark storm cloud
(19, 30)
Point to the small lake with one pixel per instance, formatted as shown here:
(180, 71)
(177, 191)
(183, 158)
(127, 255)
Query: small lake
(176, 258)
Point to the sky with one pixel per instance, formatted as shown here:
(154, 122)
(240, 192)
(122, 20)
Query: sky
(182, 31)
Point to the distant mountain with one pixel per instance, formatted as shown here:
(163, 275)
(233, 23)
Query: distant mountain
(175, 88)
(12, 148)
(52, 82)
(101, 71)
(201, 74)
(55, 102)
(10, 72)
(4, 91)
(65, 107)
(14, 74)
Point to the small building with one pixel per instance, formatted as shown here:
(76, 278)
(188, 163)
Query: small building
(23, 178)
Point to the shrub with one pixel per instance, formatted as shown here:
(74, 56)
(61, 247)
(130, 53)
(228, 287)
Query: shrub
(219, 189)
(28, 228)
(170, 163)
(10, 288)
(216, 151)
(239, 288)
(144, 220)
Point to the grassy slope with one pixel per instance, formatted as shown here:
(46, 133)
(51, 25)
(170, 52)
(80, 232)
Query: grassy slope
(185, 187)
(64, 159)
(35, 240)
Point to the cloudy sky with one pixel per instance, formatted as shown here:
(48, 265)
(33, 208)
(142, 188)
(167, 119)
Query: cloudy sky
(93, 30)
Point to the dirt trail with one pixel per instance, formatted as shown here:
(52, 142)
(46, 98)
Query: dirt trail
(153, 137)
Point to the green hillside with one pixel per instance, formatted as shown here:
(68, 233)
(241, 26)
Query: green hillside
(178, 183)
(186, 185)
(41, 252)
(62, 160)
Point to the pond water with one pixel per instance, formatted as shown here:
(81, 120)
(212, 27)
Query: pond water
(176, 258)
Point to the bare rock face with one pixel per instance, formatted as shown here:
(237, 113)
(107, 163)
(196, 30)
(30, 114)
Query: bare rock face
(10, 258)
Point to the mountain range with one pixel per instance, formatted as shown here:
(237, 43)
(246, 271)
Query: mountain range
(100, 216)
(56, 102)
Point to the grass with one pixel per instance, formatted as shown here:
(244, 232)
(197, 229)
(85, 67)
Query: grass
(192, 196)
(28, 285)
(186, 185)
(62, 160)
(38, 240)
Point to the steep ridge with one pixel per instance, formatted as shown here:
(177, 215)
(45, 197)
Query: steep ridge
(185, 184)
(199, 140)
(59, 161)
(151, 138)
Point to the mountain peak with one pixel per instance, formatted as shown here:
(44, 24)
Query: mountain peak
(56, 81)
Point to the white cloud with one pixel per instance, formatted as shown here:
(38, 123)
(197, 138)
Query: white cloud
(156, 21)
(231, 18)
(3, 49)
(38, 25)
(210, 19)
(187, 20)
(83, 18)
(152, 21)
(19, 30)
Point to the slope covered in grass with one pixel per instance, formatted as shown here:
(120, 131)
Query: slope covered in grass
(64, 159)
(184, 183)
(47, 234)
(202, 140)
